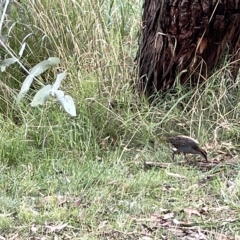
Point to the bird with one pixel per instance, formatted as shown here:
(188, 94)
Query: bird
(184, 144)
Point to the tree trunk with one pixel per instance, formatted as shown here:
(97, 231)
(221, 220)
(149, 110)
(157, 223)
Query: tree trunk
(185, 40)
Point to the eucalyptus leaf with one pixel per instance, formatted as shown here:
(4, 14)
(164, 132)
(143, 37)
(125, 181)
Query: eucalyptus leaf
(35, 71)
(67, 103)
(25, 87)
(7, 62)
(41, 96)
(22, 49)
(43, 66)
(58, 81)
(58, 93)
(3, 40)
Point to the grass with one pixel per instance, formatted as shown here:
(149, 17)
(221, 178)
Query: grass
(85, 177)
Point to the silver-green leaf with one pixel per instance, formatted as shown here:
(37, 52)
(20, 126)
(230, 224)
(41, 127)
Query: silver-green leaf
(67, 102)
(41, 96)
(7, 62)
(35, 71)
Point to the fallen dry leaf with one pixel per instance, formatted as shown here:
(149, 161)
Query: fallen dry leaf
(158, 217)
(204, 209)
(190, 212)
(149, 229)
(102, 224)
(184, 224)
(61, 200)
(210, 146)
(175, 175)
(157, 164)
(230, 184)
(163, 210)
(155, 217)
(54, 199)
(14, 236)
(190, 187)
(168, 215)
(219, 209)
(77, 202)
(177, 232)
(113, 182)
(145, 238)
(33, 228)
(57, 227)
(175, 221)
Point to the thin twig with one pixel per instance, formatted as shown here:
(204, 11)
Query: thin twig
(3, 15)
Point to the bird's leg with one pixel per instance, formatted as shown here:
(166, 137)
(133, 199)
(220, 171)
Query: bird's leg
(185, 156)
(173, 155)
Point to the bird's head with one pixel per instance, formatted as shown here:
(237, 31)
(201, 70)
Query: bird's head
(202, 153)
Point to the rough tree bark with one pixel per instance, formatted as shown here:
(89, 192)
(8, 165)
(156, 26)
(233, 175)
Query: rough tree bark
(185, 40)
